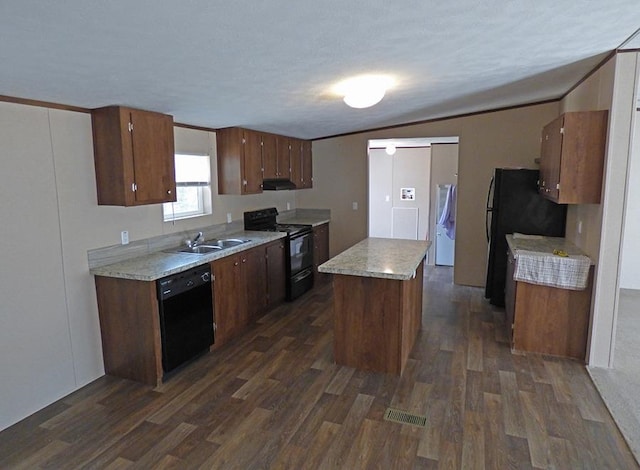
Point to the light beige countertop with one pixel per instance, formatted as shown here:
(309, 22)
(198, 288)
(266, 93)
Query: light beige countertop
(542, 244)
(386, 258)
(163, 263)
(313, 221)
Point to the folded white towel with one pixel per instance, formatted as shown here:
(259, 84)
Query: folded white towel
(570, 272)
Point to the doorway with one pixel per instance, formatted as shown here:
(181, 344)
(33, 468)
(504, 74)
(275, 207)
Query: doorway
(406, 177)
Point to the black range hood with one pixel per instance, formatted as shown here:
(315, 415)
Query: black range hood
(277, 184)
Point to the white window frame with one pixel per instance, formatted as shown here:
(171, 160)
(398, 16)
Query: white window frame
(202, 183)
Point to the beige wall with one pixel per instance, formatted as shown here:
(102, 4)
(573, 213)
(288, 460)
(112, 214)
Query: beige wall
(595, 93)
(489, 140)
(49, 334)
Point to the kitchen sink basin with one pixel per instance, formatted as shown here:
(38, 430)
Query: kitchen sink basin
(210, 246)
(200, 249)
(230, 242)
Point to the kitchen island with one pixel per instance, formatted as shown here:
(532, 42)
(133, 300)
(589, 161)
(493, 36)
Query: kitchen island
(377, 288)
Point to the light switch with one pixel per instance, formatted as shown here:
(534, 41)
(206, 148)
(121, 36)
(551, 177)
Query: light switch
(387, 198)
(228, 217)
(355, 206)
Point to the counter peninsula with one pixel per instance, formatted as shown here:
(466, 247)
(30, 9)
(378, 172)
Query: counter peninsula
(377, 288)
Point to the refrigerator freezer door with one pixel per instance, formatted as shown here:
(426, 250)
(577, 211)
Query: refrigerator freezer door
(517, 207)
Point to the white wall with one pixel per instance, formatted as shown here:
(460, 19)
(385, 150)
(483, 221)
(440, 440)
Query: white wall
(380, 189)
(411, 169)
(407, 168)
(36, 361)
(630, 257)
(49, 329)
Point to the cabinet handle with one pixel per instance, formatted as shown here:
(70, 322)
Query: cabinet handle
(235, 264)
(244, 260)
(168, 191)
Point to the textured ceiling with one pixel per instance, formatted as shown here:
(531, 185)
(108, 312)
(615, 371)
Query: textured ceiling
(269, 65)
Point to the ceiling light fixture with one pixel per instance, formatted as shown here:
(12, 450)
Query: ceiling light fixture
(363, 91)
(390, 149)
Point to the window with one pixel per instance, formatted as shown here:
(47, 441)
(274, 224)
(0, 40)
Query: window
(193, 188)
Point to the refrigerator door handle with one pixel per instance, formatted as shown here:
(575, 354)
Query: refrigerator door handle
(489, 210)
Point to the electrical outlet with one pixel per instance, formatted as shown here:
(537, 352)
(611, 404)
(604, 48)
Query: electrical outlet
(124, 237)
(229, 217)
(355, 206)
(288, 206)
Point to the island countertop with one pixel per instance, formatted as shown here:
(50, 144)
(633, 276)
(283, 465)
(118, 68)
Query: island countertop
(386, 258)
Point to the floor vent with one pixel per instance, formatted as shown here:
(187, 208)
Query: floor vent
(402, 417)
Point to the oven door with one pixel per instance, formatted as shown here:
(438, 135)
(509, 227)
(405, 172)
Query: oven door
(300, 253)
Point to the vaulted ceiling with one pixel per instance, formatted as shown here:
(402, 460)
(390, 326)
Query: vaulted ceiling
(270, 65)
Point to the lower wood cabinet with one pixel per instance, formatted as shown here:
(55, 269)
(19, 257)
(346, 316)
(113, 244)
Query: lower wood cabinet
(244, 286)
(276, 273)
(130, 329)
(229, 299)
(320, 252)
(547, 320)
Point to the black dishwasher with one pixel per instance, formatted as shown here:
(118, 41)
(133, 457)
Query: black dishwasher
(186, 316)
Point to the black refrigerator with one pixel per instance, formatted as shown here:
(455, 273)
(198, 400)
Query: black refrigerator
(514, 205)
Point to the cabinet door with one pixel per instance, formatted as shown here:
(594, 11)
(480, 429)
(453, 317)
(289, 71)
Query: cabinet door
(230, 160)
(320, 250)
(283, 157)
(582, 162)
(307, 165)
(296, 162)
(255, 281)
(134, 156)
(276, 273)
(270, 155)
(510, 295)
(551, 152)
(230, 312)
(153, 157)
(252, 163)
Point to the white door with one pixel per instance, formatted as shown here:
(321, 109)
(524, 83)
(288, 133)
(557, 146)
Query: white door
(445, 246)
(405, 223)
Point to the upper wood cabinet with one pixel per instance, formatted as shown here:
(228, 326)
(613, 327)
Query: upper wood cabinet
(134, 156)
(301, 163)
(239, 159)
(246, 158)
(275, 156)
(572, 157)
(269, 143)
(307, 165)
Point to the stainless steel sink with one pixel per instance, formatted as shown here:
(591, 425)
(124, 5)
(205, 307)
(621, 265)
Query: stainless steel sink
(200, 249)
(230, 242)
(210, 246)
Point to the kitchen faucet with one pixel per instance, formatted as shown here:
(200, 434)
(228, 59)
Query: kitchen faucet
(195, 241)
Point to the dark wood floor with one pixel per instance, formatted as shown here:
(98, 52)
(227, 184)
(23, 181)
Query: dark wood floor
(274, 399)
